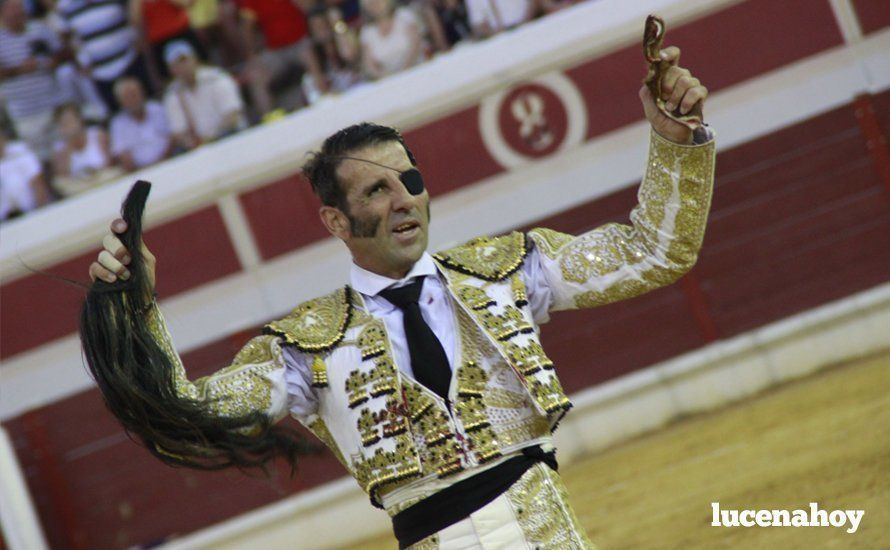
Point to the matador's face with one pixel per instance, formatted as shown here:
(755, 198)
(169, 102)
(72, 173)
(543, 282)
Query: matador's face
(386, 227)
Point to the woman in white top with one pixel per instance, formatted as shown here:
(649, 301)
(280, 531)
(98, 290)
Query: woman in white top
(391, 38)
(22, 187)
(82, 158)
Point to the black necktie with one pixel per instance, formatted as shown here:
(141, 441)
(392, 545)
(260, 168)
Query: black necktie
(428, 359)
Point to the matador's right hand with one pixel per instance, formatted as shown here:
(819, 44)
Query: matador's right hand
(114, 257)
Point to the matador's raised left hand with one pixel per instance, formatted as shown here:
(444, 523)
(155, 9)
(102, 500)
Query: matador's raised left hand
(678, 87)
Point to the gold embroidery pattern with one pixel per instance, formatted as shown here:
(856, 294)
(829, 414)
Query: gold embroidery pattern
(367, 427)
(387, 467)
(393, 418)
(372, 341)
(522, 430)
(158, 328)
(319, 373)
(471, 380)
(548, 241)
(697, 161)
(320, 430)
(529, 359)
(503, 399)
(470, 408)
(471, 412)
(678, 183)
(361, 386)
(239, 393)
(549, 394)
(518, 288)
(488, 258)
(357, 388)
(242, 388)
(513, 416)
(472, 389)
(540, 503)
(316, 325)
(383, 468)
(383, 377)
(381, 380)
(474, 297)
(505, 325)
(418, 402)
(440, 451)
(429, 543)
(619, 291)
(602, 251)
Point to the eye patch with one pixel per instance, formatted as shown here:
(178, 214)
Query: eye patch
(412, 180)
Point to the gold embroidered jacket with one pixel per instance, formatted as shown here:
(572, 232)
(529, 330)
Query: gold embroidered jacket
(391, 432)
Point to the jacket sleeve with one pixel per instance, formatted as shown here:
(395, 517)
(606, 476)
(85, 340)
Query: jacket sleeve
(253, 382)
(616, 261)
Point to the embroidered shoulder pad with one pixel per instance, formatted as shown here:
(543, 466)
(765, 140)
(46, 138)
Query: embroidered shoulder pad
(316, 325)
(489, 258)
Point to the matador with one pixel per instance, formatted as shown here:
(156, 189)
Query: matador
(425, 376)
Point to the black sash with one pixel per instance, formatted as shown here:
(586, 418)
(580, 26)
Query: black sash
(458, 501)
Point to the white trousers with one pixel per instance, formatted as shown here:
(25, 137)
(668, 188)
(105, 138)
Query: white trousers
(532, 514)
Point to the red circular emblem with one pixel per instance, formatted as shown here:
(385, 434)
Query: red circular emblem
(533, 120)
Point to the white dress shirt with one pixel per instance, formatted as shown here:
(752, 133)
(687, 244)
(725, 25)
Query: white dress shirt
(18, 167)
(436, 306)
(498, 14)
(204, 107)
(146, 140)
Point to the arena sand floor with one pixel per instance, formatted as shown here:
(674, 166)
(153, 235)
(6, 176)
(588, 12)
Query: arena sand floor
(824, 439)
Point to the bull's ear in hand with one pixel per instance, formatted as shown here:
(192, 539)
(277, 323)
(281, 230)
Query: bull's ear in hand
(138, 377)
(653, 39)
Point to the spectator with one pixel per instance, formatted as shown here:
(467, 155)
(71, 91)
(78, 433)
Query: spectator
(349, 10)
(76, 87)
(448, 23)
(82, 158)
(22, 187)
(216, 24)
(140, 135)
(336, 47)
(106, 43)
(202, 103)
(488, 17)
(287, 50)
(160, 22)
(29, 52)
(390, 38)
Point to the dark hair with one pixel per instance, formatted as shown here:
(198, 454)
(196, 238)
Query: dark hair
(64, 107)
(136, 377)
(321, 168)
(318, 9)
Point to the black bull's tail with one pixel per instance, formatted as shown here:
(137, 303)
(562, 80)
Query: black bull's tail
(136, 377)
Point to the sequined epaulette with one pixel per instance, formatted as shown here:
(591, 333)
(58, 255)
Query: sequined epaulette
(317, 325)
(489, 258)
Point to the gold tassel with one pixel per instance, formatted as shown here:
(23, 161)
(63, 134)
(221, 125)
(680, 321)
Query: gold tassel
(518, 291)
(319, 373)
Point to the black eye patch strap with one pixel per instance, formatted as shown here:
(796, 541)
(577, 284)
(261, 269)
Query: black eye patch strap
(410, 178)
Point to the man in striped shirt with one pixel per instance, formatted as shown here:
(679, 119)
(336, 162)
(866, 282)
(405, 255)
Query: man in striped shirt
(29, 52)
(106, 43)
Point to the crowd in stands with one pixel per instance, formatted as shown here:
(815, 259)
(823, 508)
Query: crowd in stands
(92, 89)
